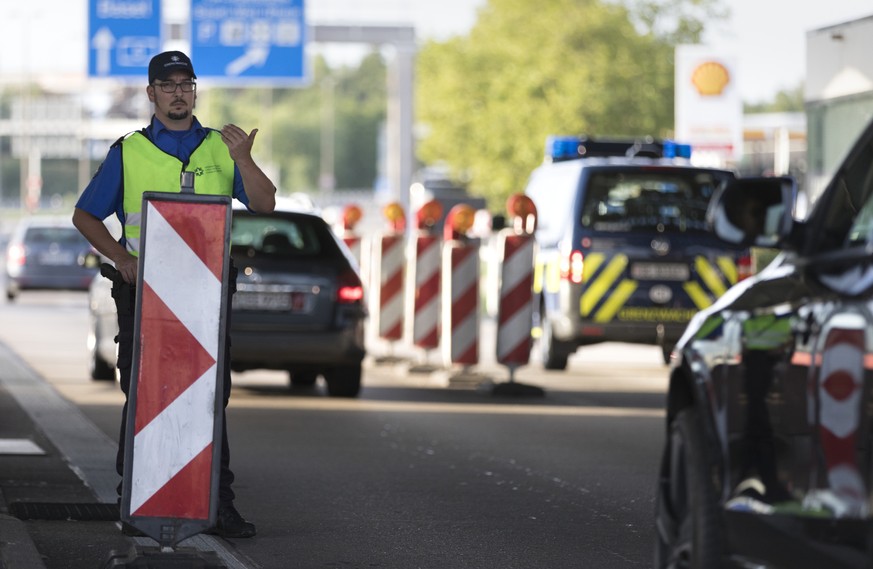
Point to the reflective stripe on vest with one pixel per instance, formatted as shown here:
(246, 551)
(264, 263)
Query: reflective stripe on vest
(147, 168)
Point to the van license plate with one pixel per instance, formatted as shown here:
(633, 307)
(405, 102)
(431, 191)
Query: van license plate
(282, 301)
(660, 272)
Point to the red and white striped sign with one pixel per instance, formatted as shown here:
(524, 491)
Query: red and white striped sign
(840, 399)
(177, 371)
(392, 259)
(353, 242)
(515, 311)
(426, 291)
(460, 302)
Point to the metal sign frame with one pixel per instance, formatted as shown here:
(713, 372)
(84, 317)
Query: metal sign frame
(169, 530)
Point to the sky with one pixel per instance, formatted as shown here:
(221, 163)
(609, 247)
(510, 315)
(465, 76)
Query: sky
(766, 37)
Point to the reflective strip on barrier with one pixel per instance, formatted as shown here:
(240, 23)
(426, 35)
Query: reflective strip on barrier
(515, 312)
(460, 302)
(425, 295)
(391, 264)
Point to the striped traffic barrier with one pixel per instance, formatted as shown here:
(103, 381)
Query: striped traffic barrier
(460, 290)
(424, 278)
(515, 308)
(388, 267)
(423, 295)
(516, 245)
(174, 419)
(840, 392)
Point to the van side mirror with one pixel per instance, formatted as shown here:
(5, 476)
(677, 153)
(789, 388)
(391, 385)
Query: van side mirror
(754, 212)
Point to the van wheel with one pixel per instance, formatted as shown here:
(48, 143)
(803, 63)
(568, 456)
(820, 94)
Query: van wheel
(554, 352)
(688, 526)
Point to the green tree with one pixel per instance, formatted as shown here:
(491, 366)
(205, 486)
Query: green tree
(529, 69)
(290, 123)
(785, 101)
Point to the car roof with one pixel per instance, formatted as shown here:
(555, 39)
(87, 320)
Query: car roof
(295, 203)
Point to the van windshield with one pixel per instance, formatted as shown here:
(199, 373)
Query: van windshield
(662, 200)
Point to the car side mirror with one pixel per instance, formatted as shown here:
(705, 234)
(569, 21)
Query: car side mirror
(754, 212)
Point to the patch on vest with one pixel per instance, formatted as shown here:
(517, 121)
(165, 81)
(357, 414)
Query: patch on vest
(213, 169)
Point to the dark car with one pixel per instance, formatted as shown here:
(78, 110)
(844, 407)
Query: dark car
(46, 253)
(768, 460)
(299, 304)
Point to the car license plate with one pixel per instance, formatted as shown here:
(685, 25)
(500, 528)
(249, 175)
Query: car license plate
(273, 301)
(660, 272)
(56, 258)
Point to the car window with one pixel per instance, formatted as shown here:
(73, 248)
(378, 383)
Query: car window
(60, 235)
(848, 211)
(649, 200)
(277, 236)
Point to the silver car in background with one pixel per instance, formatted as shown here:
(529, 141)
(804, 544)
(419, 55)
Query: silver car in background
(46, 253)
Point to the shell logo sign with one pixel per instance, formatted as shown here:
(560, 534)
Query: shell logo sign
(710, 78)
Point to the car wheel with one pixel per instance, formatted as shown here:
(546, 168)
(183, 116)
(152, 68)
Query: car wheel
(689, 530)
(343, 381)
(100, 368)
(554, 352)
(303, 378)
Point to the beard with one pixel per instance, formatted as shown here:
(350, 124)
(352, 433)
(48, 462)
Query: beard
(178, 115)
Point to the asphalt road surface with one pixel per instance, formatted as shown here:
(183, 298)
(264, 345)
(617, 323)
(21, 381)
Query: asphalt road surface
(423, 470)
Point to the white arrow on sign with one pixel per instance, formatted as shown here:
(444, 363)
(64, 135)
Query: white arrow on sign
(102, 44)
(255, 55)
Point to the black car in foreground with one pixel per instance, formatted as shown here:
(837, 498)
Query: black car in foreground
(299, 305)
(768, 459)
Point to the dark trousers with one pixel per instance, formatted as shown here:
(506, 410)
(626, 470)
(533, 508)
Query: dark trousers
(125, 302)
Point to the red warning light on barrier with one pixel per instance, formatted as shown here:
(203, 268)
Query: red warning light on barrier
(458, 222)
(428, 215)
(393, 212)
(523, 213)
(352, 214)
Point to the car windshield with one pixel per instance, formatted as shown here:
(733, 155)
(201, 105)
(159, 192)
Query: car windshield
(298, 236)
(661, 200)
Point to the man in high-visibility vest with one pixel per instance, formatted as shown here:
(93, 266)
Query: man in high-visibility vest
(152, 159)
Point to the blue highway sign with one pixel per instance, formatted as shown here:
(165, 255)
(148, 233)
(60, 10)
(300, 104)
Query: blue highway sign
(257, 41)
(123, 35)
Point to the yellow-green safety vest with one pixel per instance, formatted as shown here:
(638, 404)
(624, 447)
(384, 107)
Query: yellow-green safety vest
(147, 168)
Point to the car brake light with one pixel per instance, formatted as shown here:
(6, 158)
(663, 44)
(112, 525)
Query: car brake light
(571, 267)
(15, 256)
(744, 267)
(350, 289)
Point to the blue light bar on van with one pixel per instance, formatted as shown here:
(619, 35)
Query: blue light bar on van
(673, 149)
(560, 148)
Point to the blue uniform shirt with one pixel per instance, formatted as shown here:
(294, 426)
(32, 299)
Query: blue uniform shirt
(103, 195)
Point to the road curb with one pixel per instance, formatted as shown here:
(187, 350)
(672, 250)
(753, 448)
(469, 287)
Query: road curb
(17, 550)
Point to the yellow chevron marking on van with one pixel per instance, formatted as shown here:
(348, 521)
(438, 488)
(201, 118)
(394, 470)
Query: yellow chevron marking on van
(729, 268)
(697, 295)
(622, 292)
(602, 283)
(710, 276)
(590, 264)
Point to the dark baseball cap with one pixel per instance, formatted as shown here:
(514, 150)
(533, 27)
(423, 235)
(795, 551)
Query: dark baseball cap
(163, 64)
